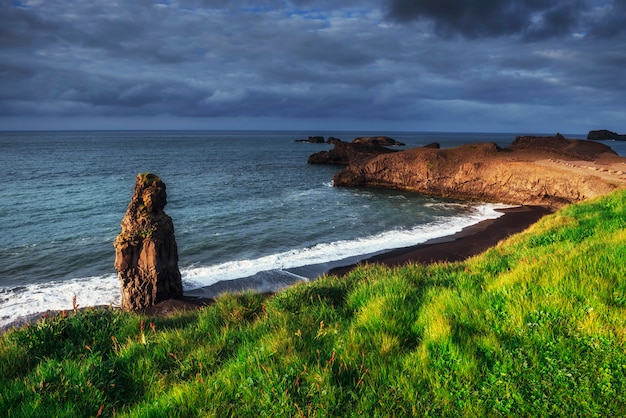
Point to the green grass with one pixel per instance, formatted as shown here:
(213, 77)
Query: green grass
(533, 327)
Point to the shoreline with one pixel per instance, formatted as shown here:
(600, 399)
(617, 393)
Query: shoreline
(466, 243)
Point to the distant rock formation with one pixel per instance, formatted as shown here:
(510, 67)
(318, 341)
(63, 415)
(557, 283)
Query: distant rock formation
(533, 170)
(313, 140)
(603, 134)
(384, 141)
(345, 153)
(146, 254)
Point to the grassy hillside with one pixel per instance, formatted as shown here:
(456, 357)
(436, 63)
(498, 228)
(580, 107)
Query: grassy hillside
(535, 326)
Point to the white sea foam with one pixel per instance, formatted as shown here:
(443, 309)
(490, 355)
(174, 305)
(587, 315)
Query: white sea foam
(197, 277)
(26, 300)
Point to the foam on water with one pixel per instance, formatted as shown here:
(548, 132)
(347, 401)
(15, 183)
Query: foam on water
(197, 277)
(22, 301)
(26, 300)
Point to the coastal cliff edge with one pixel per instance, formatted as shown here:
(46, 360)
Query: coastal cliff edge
(533, 170)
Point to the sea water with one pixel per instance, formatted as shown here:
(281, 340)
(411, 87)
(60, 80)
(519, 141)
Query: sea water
(243, 203)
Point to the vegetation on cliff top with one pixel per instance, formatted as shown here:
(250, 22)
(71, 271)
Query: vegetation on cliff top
(534, 326)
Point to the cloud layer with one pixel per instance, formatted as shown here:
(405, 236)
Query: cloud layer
(492, 65)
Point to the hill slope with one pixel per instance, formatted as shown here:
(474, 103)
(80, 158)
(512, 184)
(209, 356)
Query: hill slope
(534, 326)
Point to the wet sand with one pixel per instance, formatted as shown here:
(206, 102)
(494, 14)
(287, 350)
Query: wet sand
(470, 241)
(466, 243)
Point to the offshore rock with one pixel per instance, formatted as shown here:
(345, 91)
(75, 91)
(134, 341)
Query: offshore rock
(146, 254)
(344, 153)
(533, 170)
(603, 134)
(384, 141)
(313, 140)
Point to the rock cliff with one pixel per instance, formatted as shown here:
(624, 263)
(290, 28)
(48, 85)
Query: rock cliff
(533, 170)
(146, 254)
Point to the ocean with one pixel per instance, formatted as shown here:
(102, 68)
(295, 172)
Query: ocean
(244, 204)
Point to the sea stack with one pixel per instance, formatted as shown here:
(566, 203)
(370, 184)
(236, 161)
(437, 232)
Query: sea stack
(146, 255)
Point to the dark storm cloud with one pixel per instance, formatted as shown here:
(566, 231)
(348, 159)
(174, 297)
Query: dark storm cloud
(610, 21)
(19, 28)
(419, 64)
(321, 49)
(528, 19)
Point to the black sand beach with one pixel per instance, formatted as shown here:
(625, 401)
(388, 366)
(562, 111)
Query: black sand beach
(466, 243)
(469, 242)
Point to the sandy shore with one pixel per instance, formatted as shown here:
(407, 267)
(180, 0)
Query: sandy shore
(470, 241)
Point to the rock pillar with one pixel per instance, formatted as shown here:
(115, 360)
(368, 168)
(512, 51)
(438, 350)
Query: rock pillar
(146, 255)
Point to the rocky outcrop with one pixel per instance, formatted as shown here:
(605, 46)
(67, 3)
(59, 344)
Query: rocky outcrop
(344, 153)
(384, 141)
(359, 150)
(313, 140)
(603, 134)
(146, 254)
(533, 170)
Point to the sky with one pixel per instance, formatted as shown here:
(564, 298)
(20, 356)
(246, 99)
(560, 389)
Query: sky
(523, 66)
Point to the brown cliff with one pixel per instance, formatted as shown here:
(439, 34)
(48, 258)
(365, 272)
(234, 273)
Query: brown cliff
(533, 170)
(146, 254)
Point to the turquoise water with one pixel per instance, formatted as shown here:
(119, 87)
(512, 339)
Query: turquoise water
(243, 203)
